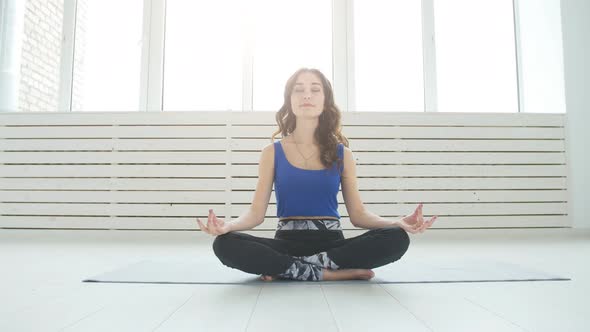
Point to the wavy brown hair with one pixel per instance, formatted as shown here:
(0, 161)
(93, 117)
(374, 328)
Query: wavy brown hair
(329, 131)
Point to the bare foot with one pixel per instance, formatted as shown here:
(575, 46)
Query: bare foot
(345, 274)
(348, 274)
(267, 278)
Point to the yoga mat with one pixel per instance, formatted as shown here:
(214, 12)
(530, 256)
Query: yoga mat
(212, 271)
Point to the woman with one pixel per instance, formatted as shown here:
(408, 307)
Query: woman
(307, 167)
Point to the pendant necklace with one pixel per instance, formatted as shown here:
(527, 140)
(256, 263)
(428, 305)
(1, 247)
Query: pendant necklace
(305, 159)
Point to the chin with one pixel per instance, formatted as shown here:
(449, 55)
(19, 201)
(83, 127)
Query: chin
(309, 113)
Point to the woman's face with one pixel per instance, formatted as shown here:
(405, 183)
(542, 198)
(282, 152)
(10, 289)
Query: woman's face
(307, 97)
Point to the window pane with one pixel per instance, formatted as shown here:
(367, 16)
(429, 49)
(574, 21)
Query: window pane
(475, 56)
(107, 56)
(388, 56)
(287, 36)
(203, 55)
(543, 86)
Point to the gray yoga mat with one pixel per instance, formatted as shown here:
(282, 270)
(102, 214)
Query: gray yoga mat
(212, 271)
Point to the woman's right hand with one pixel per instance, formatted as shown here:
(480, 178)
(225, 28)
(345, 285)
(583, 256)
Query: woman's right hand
(215, 226)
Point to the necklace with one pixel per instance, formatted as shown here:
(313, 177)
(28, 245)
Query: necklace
(305, 159)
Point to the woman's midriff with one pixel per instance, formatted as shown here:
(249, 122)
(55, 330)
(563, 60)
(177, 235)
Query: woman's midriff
(308, 217)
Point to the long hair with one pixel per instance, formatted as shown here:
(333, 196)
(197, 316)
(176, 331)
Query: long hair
(329, 131)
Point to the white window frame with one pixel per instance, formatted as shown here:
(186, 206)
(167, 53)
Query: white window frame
(429, 57)
(67, 56)
(152, 56)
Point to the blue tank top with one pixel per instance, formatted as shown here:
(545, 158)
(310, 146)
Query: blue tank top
(301, 192)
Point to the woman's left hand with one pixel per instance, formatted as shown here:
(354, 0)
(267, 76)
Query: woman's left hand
(414, 223)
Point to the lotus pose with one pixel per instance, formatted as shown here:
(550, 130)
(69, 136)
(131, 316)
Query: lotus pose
(308, 166)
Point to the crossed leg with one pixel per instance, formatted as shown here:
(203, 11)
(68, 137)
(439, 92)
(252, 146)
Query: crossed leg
(272, 257)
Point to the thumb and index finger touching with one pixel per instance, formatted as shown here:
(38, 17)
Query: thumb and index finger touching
(210, 222)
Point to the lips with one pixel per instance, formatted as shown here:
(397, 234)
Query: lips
(307, 105)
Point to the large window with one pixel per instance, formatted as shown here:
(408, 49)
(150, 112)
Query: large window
(233, 55)
(388, 56)
(297, 34)
(200, 55)
(204, 46)
(475, 56)
(107, 55)
(541, 52)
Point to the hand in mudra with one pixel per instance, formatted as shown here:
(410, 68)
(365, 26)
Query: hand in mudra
(215, 226)
(414, 223)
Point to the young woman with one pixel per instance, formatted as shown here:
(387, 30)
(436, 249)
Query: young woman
(307, 167)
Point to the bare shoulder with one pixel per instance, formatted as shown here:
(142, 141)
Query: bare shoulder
(268, 153)
(269, 148)
(349, 163)
(346, 149)
(347, 153)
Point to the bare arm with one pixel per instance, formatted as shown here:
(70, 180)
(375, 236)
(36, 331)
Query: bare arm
(359, 215)
(363, 218)
(254, 215)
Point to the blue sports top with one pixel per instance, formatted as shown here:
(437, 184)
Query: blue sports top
(302, 192)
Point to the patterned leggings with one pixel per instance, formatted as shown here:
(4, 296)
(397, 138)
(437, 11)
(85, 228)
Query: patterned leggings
(301, 248)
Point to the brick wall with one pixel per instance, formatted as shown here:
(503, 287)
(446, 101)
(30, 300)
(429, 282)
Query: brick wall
(41, 55)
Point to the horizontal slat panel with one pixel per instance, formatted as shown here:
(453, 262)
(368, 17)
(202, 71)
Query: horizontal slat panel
(268, 118)
(457, 158)
(495, 158)
(113, 184)
(436, 170)
(108, 144)
(365, 183)
(118, 132)
(202, 197)
(101, 209)
(113, 170)
(426, 119)
(380, 132)
(171, 144)
(50, 144)
(110, 118)
(248, 184)
(140, 157)
(462, 222)
(268, 225)
(447, 209)
(421, 145)
(208, 144)
(203, 157)
(454, 119)
(428, 154)
(106, 209)
(242, 197)
(169, 223)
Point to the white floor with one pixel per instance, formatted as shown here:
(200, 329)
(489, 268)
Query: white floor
(41, 288)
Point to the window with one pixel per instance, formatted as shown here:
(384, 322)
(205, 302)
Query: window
(107, 55)
(203, 55)
(475, 56)
(200, 55)
(287, 36)
(541, 52)
(388, 56)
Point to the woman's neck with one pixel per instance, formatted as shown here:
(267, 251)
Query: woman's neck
(304, 134)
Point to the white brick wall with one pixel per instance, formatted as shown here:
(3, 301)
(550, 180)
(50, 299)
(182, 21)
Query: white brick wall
(41, 54)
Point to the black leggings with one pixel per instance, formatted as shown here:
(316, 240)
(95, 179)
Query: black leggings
(258, 255)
